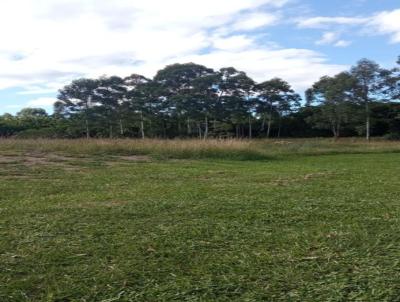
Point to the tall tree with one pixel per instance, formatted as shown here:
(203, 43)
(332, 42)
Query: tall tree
(78, 97)
(111, 95)
(368, 75)
(235, 91)
(187, 91)
(392, 82)
(334, 97)
(141, 95)
(275, 97)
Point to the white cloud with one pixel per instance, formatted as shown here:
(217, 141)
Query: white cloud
(333, 38)
(321, 22)
(47, 43)
(41, 102)
(382, 23)
(233, 43)
(342, 43)
(387, 22)
(328, 38)
(255, 20)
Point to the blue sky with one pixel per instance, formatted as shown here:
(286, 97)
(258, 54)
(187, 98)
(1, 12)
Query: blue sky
(46, 44)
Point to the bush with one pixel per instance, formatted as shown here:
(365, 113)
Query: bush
(394, 136)
(37, 133)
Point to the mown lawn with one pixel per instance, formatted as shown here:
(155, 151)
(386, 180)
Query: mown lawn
(295, 228)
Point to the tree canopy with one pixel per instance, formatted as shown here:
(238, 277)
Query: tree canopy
(192, 100)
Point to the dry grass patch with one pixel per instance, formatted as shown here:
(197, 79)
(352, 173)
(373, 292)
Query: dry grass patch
(92, 204)
(196, 149)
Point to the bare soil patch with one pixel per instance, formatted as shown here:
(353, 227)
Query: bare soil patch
(92, 204)
(39, 159)
(139, 158)
(8, 159)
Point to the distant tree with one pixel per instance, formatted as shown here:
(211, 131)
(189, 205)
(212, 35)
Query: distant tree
(32, 113)
(235, 92)
(78, 97)
(368, 87)
(193, 100)
(275, 97)
(9, 125)
(334, 96)
(187, 93)
(111, 96)
(288, 103)
(33, 118)
(141, 95)
(391, 82)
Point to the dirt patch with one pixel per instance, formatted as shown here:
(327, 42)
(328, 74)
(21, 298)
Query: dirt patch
(139, 158)
(282, 143)
(92, 204)
(39, 159)
(8, 159)
(51, 160)
(132, 158)
(316, 175)
(59, 158)
(33, 160)
(289, 181)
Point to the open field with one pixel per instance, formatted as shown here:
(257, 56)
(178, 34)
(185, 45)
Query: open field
(129, 220)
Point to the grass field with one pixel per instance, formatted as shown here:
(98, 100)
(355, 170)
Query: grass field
(302, 220)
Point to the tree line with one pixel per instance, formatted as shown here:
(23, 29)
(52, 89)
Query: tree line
(191, 100)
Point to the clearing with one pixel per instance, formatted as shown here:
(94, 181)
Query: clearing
(134, 226)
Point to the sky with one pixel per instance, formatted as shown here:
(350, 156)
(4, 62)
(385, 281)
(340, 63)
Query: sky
(45, 44)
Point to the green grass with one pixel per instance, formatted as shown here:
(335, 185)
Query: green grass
(301, 221)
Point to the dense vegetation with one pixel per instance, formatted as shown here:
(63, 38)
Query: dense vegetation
(231, 220)
(190, 100)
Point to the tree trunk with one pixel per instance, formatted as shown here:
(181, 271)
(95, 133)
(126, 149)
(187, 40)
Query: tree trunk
(237, 131)
(189, 129)
(142, 125)
(121, 127)
(164, 129)
(88, 105)
(87, 129)
(215, 127)
(250, 128)
(199, 129)
(334, 131)
(111, 131)
(279, 126)
(368, 122)
(206, 128)
(269, 125)
(179, 126)
(263, 123)
(339, 124)
(150, 128)
(270, 120)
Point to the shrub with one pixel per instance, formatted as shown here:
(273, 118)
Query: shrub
(393, 136)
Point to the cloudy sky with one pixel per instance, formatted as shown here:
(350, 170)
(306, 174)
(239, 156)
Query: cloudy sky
(44, 44)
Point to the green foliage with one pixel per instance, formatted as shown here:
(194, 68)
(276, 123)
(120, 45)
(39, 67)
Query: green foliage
(191, 100)
(334, 97)
(275, 97)
(37, 133)
(392, 136)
